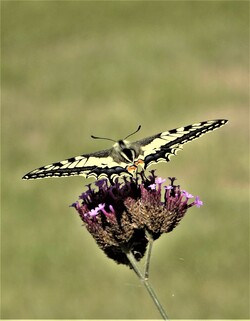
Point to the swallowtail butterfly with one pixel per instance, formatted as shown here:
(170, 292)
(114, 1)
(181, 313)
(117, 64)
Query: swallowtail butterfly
(124, 157)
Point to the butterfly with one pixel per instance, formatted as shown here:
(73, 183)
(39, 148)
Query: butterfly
(125, 157)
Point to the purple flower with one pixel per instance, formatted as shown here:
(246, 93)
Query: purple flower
(120, 216)
(93, 212)
(160, 180)
(152, 186)
(101, 183)
(185, 193)
(198, 202)
(168, 187)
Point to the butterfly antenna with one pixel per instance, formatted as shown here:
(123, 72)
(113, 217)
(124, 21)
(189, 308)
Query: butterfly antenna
(133, 132)
(105, 138)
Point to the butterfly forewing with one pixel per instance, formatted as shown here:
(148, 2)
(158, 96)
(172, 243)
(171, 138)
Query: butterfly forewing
(99, 164)
(161, 147)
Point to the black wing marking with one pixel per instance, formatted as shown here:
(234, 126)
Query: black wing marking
(98, 164)
(160, 147)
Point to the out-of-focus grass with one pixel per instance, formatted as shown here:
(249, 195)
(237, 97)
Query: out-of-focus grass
(71, 69)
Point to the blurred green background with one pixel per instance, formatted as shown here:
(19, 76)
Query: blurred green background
(75, 68)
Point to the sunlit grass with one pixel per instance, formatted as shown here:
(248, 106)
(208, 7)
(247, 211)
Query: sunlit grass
(72, 69)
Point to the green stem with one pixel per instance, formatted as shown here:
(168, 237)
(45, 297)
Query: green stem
(148, 257)
(147, 285)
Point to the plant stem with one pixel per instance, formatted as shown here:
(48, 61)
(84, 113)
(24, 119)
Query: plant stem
(147, 285)
(148, 257)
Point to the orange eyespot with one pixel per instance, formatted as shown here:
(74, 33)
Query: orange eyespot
(139, 162)
(131, 168)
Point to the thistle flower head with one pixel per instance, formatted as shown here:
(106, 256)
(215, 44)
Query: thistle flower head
(120, 215)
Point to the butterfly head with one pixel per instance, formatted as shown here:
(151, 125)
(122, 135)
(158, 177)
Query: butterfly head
(125, 151)
(129, 153)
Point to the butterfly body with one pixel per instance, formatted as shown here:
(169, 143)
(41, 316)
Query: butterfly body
(125, 157)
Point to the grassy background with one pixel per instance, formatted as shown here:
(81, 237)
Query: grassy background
(71, 69)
